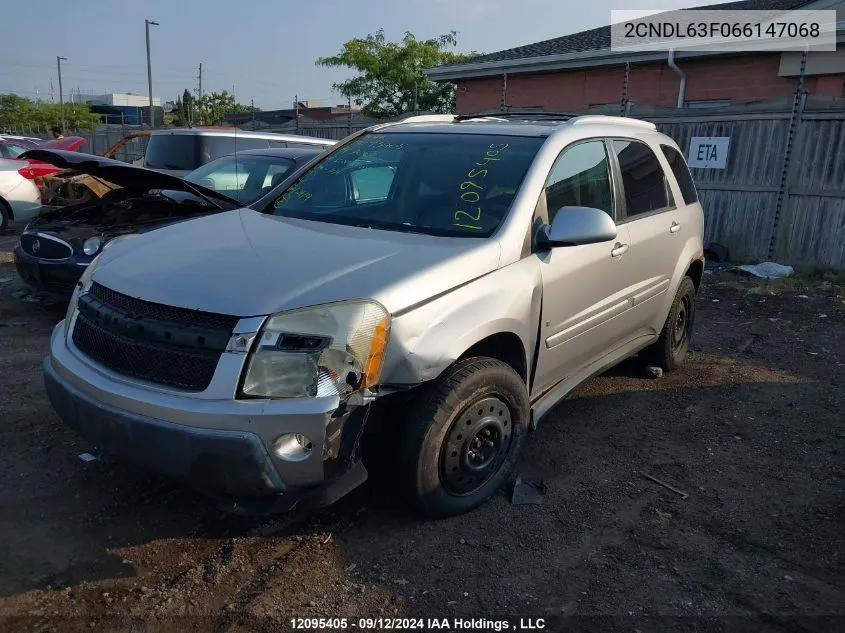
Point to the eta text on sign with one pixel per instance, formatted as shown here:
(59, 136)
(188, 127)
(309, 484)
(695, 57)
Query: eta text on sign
(708, 152)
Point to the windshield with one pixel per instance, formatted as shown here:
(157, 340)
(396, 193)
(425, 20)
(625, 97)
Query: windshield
(441, 184)
(245, 178)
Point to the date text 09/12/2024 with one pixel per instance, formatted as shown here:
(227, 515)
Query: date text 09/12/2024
(417, 624)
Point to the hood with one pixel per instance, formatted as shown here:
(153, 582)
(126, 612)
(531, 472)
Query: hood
(246, 263)
(68, 143)
(119, 173)
(178, 173)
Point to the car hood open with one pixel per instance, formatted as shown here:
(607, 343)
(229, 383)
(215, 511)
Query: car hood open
(246, 263)
(120, 173)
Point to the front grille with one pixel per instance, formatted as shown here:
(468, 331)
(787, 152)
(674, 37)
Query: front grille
(59, 281)
(162, 344)
(45, 247)
(160, 312)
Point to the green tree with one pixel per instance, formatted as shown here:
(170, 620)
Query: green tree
(19, 114)
(390, 80)
(189, 108)
(214, 106)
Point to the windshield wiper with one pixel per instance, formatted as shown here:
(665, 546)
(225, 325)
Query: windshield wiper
(199, 192)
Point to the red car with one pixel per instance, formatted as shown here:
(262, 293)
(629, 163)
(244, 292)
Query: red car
(34, 169)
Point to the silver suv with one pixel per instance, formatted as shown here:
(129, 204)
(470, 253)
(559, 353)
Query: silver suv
(425, 291)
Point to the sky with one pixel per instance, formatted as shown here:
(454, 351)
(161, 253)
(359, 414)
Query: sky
(259, 49)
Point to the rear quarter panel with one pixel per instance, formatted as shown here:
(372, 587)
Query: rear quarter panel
(691, 218)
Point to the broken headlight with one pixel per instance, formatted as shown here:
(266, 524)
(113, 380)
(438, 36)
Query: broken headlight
(331, 349)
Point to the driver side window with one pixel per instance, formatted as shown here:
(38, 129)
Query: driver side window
(580, 178)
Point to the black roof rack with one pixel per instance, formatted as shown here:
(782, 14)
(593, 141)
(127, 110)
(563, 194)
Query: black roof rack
(520, 114)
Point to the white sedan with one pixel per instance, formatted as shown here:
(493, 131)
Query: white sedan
(20, 198)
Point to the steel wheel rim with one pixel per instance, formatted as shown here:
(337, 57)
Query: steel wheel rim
(680, 329)
(476, 446)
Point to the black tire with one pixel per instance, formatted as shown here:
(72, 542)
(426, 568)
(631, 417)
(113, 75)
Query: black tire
(5, 216)
(670, 349)
(464, 436)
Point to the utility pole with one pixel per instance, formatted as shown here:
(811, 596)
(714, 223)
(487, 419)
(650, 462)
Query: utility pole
(349, 107)
(296, 109)
(61, 96)
(199, 119)
(252, 106)
(147, 24)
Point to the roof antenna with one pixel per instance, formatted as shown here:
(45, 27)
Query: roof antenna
(237, 175)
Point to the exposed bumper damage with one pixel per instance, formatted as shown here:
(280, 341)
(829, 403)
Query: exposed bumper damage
(227, 457)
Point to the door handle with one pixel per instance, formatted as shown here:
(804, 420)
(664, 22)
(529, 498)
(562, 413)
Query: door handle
(619, 249)
(675, 227)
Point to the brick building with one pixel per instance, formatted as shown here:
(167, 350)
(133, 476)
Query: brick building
(574, 72)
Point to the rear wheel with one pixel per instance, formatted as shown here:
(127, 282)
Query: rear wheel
(5, 215)
(464, 437)
(670, 349)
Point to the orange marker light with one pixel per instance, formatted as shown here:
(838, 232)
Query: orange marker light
(372, 367)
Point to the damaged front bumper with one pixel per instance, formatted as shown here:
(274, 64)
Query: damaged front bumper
(221, 448)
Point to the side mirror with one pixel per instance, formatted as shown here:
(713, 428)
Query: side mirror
(573, 226)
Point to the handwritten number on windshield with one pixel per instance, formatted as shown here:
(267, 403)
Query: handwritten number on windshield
(470, 188)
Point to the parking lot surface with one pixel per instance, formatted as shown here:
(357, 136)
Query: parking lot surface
(750, 433)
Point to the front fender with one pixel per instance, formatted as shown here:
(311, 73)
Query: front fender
(428, 339)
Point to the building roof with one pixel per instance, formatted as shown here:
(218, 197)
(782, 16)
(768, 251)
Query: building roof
(595, 39)
(592, 40)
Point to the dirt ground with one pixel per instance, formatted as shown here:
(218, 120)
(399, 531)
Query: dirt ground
(751, 430)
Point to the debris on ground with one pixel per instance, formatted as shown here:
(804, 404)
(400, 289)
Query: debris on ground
(653, 371)
(86, 457)
(527, 492)
(681, 493)
(767, 270)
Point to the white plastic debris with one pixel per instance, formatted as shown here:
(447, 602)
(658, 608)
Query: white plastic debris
(768, 270)
(86, 457)
(653, 372)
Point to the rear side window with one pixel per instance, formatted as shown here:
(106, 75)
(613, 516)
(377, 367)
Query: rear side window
(213, 147)
(646, 187)
(682, 174)
(173, 151)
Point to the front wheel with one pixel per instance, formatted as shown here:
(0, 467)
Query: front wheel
(464, 436)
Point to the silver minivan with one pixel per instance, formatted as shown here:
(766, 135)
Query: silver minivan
(181, 150)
